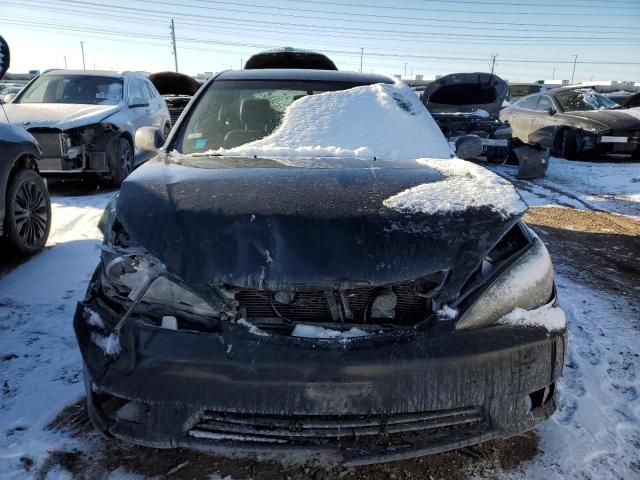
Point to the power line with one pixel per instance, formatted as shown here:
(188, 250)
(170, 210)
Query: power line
(554, 38)
(137, 34)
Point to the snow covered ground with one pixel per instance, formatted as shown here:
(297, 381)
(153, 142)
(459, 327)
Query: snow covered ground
(594, 434)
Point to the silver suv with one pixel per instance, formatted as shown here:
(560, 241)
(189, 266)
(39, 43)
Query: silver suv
(85, 121)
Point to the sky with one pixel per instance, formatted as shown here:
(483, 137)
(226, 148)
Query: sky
(530, 40)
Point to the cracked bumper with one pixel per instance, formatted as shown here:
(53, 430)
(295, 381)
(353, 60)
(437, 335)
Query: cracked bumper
(369, 401)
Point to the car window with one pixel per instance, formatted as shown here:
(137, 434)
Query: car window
(529, 103)
(524, 90)
(146, 92)
(584, 99)
(152, 91)
(545, 104)
(134, 89)
(232, 113)
(79, 89)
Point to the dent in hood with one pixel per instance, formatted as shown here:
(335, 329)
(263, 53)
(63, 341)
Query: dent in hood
(57, 115)
(264, 224)
(466, 92)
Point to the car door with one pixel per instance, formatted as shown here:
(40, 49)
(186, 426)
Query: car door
(138, 108)
(544, 122)
(158, 108)
(522, 118)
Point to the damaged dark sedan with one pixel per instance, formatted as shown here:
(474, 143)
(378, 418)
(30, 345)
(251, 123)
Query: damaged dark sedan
(306, 271)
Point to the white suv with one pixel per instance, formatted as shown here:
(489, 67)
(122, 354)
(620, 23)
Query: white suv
(86, 121)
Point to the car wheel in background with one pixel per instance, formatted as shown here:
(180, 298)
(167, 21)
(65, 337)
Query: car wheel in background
(566, 145)
(635, 155)
(28, 217)
(166, 131)
(121, 161)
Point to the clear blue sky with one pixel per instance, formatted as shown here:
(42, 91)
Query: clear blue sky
(430, 36)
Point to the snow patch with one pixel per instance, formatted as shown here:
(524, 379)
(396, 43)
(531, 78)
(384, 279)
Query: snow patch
(447, 313)
(312, 331)
(386, 121)
(548, 316)
(252, 328)
(109, 344)
(465, 185)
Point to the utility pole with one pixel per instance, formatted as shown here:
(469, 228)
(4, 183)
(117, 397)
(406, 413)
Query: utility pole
(575, 60)
(361, 55)
(65, 61)
(173, 44)
(82, 48)
(553, 75)
(241, 62)
(405, 69)
(493, 62)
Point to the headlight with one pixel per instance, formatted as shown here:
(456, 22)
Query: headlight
(526, 284)
(142, 276)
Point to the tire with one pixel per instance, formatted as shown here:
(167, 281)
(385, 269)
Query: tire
(166, 131)
(121, 161)
(566, 145)
(28, 213)
(635, 155)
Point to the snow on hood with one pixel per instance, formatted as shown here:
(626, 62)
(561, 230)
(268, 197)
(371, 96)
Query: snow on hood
(386, 121)
(57, 115)
(465, 185)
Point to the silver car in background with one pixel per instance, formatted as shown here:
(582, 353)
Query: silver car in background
(85, 121)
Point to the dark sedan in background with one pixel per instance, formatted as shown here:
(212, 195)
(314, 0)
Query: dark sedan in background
(575, 122)
(25, 207)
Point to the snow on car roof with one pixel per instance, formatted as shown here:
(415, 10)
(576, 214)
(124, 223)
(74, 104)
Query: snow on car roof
(385, 121)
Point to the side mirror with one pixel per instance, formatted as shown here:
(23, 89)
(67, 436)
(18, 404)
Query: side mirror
(469, 146)
(136, 102)
(551, 111)
(149, 139)
(8, 98)
(5, 57)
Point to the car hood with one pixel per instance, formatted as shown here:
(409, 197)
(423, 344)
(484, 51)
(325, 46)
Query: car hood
(57, 115)
(269, 223)
(608, 119)
(466, 92)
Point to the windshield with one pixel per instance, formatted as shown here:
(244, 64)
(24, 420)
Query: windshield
(584, 99)
(233, 113)
(524, 90)
(82, 89)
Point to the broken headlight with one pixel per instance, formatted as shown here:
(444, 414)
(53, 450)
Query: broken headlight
(527, 283)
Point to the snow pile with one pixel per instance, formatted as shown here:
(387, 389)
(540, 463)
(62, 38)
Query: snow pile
(465, 185)
(312, 331)
(548, 316)
(384, 121)
(109, 344)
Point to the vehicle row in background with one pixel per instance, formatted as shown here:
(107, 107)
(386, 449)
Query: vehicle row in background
(25, 207)
(85, 121)
(465, 104)
(176, 89)
(575, 122)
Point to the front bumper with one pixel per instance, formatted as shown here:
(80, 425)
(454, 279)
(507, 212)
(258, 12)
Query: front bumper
(367, 401)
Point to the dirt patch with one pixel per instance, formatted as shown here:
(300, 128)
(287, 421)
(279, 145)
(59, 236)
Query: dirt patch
(104, 455)
(594, 248)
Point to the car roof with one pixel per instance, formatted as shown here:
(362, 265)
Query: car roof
(303, 74)
(92, 73)
(553, 91)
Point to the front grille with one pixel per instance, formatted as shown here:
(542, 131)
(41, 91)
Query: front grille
(305, 428)
(174, 114)
(50, 141)
(413, 303)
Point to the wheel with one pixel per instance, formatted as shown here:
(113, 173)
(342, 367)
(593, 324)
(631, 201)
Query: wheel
(28, 213)
(121, 161)
(635, 155)
(165, 131)
(566, 145)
